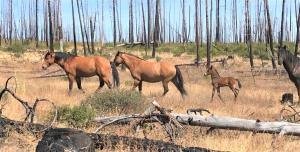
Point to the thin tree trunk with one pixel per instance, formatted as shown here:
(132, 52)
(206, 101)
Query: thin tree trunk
(74, 29)
(144, 28)
(298, 32)
(10, 21)
(218, 21)
(81, 29)
(149, 23)
(85, 28)
(270, 32)
(36, 24)
(282, 21)
(207, 36)
(131, 34)
(156, 28)
(248, 33)
(50, 27)
(114, 23)
(197, 31)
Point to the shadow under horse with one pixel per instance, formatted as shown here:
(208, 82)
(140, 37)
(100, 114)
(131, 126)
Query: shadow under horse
(80, 66)
(291, 64)
(142, 70)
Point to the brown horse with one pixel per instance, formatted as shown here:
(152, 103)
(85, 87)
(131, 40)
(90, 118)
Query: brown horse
(142, 70)
(218, 81)
(79, 66)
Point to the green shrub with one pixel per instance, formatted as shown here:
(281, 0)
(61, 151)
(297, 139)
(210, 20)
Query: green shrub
(116, 101)
(17, 48)
(77, 116)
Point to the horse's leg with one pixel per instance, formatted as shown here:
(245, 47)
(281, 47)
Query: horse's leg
(71, 80)
(140, 86)
(135, 84)
(107, 82)
(213, 93)
(166, 88)
(101, 84)
(78, 81)
(219, 94)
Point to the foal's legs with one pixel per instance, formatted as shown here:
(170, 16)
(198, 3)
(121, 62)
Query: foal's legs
(78, 81)
(135, 84)
(71, 80)
(219, 94)
(166, 88)
(213, 93)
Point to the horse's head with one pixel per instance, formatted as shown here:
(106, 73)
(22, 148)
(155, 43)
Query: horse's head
(118, 58)
(48, 60)
(209, 70)
(281, 53)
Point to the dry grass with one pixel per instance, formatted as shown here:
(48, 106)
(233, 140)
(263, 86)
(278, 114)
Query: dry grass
(256, 101)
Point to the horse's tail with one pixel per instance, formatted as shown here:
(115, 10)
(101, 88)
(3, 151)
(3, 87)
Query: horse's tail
(115, 74)
(239, 83)
(178, 82)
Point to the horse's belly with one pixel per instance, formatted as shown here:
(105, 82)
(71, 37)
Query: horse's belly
(151, 79)
(86, 73)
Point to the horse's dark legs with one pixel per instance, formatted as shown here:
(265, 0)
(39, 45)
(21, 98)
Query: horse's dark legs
(219, 94)
(140, 86)
(78, 81)
(101, 84)
(213, 93)
(166, 88)
(71, 80)
(135, 84)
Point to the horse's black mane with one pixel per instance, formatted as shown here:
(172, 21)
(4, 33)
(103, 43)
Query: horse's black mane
(61, 55)
(131, 55)
(291, 58)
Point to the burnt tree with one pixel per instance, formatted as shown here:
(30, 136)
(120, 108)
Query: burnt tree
(156, 28)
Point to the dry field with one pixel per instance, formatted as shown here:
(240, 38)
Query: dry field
(255, 101)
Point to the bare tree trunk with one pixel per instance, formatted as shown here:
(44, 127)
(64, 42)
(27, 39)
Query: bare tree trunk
(149, 23)
(114, 23)
(282, 21)
(248, 34)
(144, 28)
(156, 28)
(197, 31)
(298, 32)
(184, 31)
(208, 43)
(74, 29)
(85, 28)
(81, 28)
(36, 24)
(10, 21)
(131, 34)
(92, 29)
(218, 21)
(270, 32)
(50, 27)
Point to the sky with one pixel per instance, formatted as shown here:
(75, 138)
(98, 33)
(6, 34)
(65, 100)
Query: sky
(169, 8)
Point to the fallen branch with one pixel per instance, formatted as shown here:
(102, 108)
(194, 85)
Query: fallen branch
(48, 76)
(30, 111)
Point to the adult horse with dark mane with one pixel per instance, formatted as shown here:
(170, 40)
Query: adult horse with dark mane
(218, 82)
(142, 70)
(80, 66)
(291, 64)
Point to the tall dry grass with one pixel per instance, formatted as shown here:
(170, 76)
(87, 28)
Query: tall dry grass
(258, 100)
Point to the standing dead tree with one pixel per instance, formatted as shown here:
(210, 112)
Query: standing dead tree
(298, 33)
(50, 27)
(156, 28)
(81, 29)
(131, 34)
(218, 37)
(197, 30)
(270, 36)
(249, 33)
(144, 28)
(114, 23)
(208, 35)
(36, 24)
(10, 21)
(149, 23)
(282, 21)
(74, 28)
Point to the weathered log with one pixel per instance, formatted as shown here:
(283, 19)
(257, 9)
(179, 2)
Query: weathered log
(222, 122)
(99, 141)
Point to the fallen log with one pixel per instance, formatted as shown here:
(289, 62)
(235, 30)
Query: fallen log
(222, 122)
(99, 141)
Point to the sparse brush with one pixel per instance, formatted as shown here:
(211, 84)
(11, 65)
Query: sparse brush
(116, 101)
(77, 116)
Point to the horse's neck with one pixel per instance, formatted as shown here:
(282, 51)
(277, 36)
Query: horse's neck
(131, 62)
(290, 62)
(215, 75)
